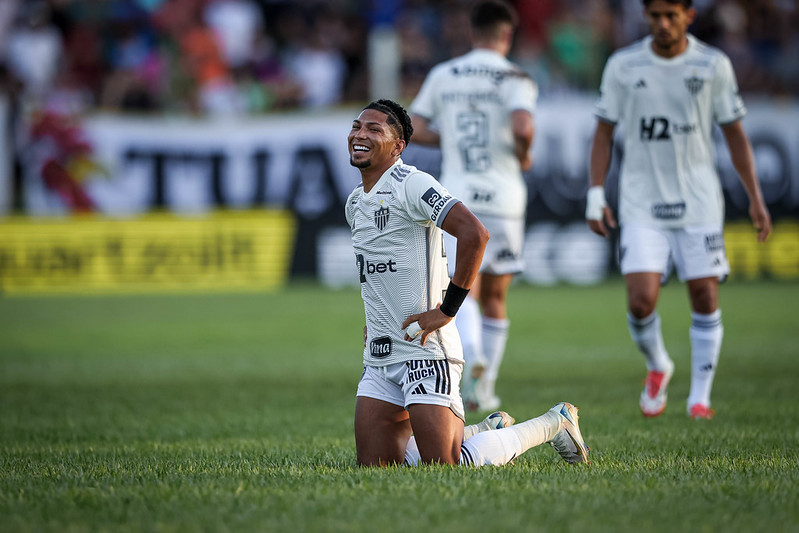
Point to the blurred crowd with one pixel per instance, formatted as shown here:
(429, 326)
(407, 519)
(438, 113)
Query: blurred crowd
(246, 57)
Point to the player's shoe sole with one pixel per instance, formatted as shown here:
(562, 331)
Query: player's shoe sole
(568, 442)
(654, 396)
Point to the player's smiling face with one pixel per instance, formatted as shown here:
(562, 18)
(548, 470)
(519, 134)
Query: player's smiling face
(372, 142)
(668, 23)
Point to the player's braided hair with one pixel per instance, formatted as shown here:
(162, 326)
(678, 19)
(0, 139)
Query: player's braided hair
(398, 118)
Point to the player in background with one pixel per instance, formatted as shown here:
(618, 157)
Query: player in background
(409, 408)
(667, 91)
(479, 109)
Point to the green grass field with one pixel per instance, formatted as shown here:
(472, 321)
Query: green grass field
(234, 413)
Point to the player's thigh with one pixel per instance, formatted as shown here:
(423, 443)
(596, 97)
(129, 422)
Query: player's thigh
(438, 433)
(493, 294)
(382, 426)
(382, 430)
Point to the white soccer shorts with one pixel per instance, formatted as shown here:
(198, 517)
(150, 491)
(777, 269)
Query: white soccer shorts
(503, 253)
(419, 381)
(694, 252)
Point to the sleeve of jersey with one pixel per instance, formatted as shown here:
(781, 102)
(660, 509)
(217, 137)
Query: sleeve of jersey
(424, 103)
(523, 95)
(728, 106)
(348, 207)
(426, 199)
(607, 106)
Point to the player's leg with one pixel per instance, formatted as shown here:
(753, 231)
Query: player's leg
(382, 430)
(701, 262)
(468, 321)
(496, 420)
(495, 326)
(431, 394)
(645, 257)
(706, 335)
(501, 261)
(382, 425)
(643, 322)
(438, 433)
(557, 426)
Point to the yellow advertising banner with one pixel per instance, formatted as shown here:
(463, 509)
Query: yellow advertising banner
(777, 258)
(225, 250)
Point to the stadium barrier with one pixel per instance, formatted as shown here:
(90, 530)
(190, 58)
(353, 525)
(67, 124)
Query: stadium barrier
(248, 250)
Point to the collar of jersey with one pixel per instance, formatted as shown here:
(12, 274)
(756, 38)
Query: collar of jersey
(486, 52)
(384, 177)
(677, 60)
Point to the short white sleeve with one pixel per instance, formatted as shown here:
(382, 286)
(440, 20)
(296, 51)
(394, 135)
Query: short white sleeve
(424, 104)
(608, 106)
(522, 94)
(728, 106)
(426, 199)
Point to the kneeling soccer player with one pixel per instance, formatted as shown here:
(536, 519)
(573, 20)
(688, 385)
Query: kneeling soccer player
(409, 408)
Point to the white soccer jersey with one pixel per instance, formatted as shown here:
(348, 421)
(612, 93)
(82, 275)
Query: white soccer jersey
(469, 99)
(667, 108)
(401, 262)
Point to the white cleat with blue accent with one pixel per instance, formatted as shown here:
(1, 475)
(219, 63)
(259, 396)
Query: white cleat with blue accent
(568, 442)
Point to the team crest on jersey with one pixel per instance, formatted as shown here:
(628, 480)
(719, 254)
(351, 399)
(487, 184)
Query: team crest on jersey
(694, 85)
(381, 218)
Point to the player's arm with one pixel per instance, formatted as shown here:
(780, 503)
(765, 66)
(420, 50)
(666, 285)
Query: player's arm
(597, 212)
(523, 132)
(744, 163)
(423, 133)
(472, 238)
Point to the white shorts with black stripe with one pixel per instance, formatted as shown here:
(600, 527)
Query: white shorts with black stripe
(418, 381)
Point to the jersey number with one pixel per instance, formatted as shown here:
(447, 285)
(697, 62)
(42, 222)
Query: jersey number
(473, 141)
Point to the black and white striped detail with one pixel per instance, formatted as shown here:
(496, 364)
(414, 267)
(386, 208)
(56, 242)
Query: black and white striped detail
(443, 380)
(706, 322)
(467, 459)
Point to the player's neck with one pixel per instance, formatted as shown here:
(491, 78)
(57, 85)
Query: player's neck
(672, 50)
(498, 46)
(371, 175)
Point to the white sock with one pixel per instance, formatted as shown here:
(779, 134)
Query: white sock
(468, 323)
(501, 446)
(495, 336)
(412, 455)
(647, 336)
(706, 334)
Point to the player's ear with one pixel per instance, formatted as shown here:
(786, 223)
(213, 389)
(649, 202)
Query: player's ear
(399, 147)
